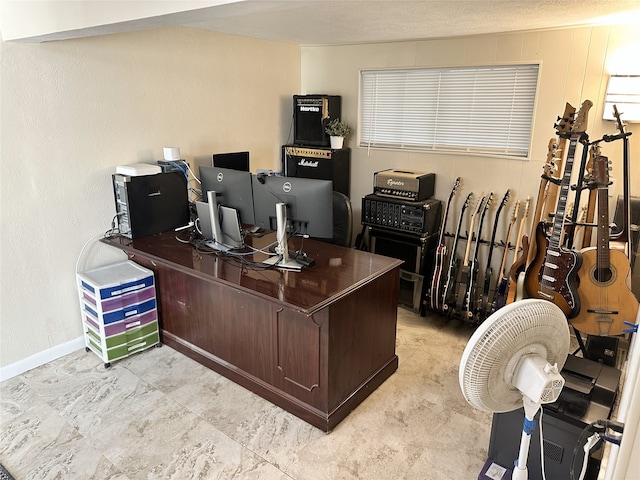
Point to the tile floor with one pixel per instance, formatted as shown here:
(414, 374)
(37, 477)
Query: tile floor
(160, 415)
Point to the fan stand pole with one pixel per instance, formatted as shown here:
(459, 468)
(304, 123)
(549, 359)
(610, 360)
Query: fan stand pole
(520, 471)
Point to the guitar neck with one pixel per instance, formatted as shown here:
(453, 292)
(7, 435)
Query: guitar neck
(506, 251)
(558, 219)
(552, 194)
(603, 255)
(467, 251)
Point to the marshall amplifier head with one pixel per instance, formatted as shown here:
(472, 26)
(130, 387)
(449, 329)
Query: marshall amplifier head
(409, 185)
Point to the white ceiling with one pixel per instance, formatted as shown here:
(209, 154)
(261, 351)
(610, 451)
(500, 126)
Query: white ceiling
(326, 22)
(308, 22)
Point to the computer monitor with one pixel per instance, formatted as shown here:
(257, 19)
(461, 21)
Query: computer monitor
(309, 204)
(232, 160)
(219, 225)
(232, 187)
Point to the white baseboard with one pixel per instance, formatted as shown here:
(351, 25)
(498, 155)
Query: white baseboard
(41, 358)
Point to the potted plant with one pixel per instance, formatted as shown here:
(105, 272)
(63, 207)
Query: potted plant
(337, 130)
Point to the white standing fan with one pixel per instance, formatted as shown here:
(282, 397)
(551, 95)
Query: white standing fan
(513, 359)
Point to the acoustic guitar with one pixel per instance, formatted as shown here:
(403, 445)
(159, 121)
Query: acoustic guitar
(605, 295)
(553, 275)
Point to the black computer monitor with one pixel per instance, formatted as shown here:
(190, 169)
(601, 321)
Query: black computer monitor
(233, 160)
(232, 187)
(309, 204)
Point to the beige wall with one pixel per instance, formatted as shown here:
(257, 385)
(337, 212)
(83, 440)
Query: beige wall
(73, 110)
(574, 67)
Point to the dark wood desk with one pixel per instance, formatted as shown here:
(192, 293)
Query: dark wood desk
(315, 342)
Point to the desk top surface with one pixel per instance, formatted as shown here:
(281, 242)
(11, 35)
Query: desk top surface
(337, 270)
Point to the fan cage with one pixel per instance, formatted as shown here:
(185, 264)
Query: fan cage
(527, 327)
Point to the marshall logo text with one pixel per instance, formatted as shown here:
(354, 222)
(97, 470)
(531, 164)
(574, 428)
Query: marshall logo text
(307, 163)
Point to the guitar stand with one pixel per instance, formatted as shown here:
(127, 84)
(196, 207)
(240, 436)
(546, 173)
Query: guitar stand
(581, 346)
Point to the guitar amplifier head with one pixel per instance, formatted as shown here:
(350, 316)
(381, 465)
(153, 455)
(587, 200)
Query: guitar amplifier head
(412, 186)
(420, 218)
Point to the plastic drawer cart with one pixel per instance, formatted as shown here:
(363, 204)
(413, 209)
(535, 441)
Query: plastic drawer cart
(119, 310)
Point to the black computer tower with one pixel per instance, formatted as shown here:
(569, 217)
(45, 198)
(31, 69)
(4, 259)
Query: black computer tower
(150, 204)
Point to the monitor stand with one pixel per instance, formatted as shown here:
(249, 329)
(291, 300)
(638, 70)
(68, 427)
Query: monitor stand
(282, 259)
(220, 240)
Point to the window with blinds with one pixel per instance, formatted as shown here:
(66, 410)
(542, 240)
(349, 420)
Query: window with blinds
(477, 110)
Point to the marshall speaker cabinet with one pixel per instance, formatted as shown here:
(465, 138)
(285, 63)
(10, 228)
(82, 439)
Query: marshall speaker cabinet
(319, 163)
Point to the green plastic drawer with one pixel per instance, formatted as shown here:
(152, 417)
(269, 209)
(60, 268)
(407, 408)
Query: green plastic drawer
(133, 347)
(131, 335)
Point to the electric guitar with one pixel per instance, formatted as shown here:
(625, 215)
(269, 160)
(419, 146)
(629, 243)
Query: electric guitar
(454, 263)
(470, 308)
(487, 291)
(502, 282)
(553, 275)
(529, 244)
(605, 297)
(441, 255)
(465, 270)
(518, 262)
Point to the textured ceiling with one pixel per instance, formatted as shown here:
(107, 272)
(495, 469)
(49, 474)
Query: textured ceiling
(312, 22)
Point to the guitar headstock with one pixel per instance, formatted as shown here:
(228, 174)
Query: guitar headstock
(583, 214)
(467, 200)
(456, 185)
(505, 199)
(580, 122)
(488, 201)
(550, 167)
(526, 207)
(563, 124)
(601, 171)
(619, 123)
(516, 209)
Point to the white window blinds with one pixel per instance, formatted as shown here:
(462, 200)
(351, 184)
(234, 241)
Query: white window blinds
(480, 110)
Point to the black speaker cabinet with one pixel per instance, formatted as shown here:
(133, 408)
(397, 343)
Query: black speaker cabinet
(319, 163)
(418, 253)
(310, 115)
